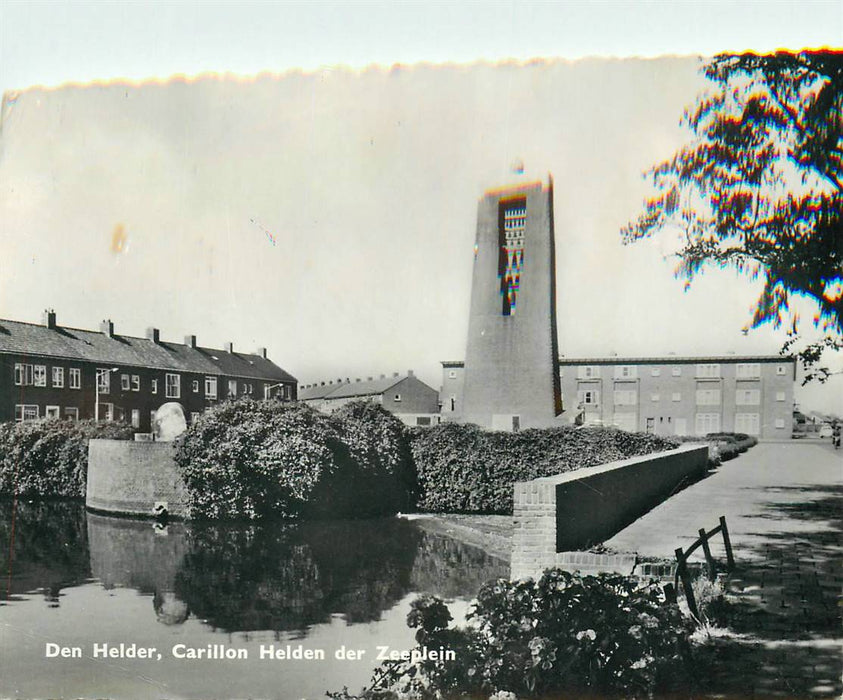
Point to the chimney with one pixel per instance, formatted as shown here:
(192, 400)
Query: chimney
(107, 327)
(322, 384)
(395, 374)
(190, 341)
(153, 334)
(229, 348)
(262, 352)
(347, 380)
(409, 373)
(50, 319)
(368, 379)
(357, 380)
(339, 380)
(383, 376)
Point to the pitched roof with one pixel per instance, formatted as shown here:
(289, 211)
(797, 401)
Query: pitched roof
(91, 346)
(347, 390)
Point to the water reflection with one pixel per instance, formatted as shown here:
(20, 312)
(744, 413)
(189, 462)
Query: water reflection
(241, 577)
(43, 547)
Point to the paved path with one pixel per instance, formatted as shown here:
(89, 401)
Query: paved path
(783, 503)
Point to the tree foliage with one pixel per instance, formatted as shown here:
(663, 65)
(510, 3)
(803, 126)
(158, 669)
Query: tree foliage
(759, 188)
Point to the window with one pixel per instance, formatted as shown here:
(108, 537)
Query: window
(588, 397)
(626, 372)
(748, 370)
(250, 389)
(71, 413)
(135, 418)
(422, 420)
(26, 412)
(655, 397)
(708, 371)
(125, 382)
(21, 374)
(210, 387)
(106, 411)
(58, 377)
(135, 382)
(707, 423)
(589, 372)
(152, 420)
(103, 381)
(173, 386)
(39, 374)
(708, 397)
(194, 416)
(75, 378)
(676, 371)
(51, 412)
(453, 401)
(513, 219)
(625, 421)
(781, 370)
(747, 397)
(195, 386)
(780, 396)
(625, 397)
(154, 388)
(676, 396)
(452, 374)
(749, 423)
(232, 388)
(655, 371)
(397, 397)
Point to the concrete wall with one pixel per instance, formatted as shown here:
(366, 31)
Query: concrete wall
(511, 362)
(131, 477)
(554, 515)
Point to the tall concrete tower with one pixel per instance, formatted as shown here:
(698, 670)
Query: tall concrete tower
(512, 362)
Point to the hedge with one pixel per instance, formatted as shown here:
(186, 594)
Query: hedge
(49, 458)
(464, 469)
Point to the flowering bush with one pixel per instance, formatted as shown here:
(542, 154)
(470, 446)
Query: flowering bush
(564, 636)
(259, 459)
(377, 444)
(49, 458)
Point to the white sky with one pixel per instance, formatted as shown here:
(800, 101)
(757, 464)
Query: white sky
(366, 179)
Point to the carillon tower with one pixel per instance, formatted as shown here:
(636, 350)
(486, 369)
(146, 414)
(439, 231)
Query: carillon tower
(511, 362)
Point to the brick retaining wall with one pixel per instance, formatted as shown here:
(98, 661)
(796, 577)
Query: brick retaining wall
(132, 477)
(554, 515)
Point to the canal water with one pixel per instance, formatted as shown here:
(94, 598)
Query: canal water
(81, 584)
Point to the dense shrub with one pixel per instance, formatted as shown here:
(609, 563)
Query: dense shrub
(378, 446)
(258, 459)
(49, 458)
(462, 468)
(564, 636)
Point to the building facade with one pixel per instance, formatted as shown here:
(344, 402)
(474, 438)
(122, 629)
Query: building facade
(669, 395)
(409, 398)
(511, 377)
(49, 371)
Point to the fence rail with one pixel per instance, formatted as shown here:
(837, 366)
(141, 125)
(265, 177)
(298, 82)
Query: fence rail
(682, 573)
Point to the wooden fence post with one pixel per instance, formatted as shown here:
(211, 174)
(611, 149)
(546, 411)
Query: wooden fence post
(709, 560)
(686, 583)
(730, 560)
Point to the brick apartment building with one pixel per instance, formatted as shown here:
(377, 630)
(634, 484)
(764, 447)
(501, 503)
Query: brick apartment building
(409, 398)
(667, 395)
(49, 371)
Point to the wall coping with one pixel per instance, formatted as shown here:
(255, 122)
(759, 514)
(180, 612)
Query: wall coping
(586, 472)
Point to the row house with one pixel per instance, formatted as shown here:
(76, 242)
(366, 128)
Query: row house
(50, 371)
